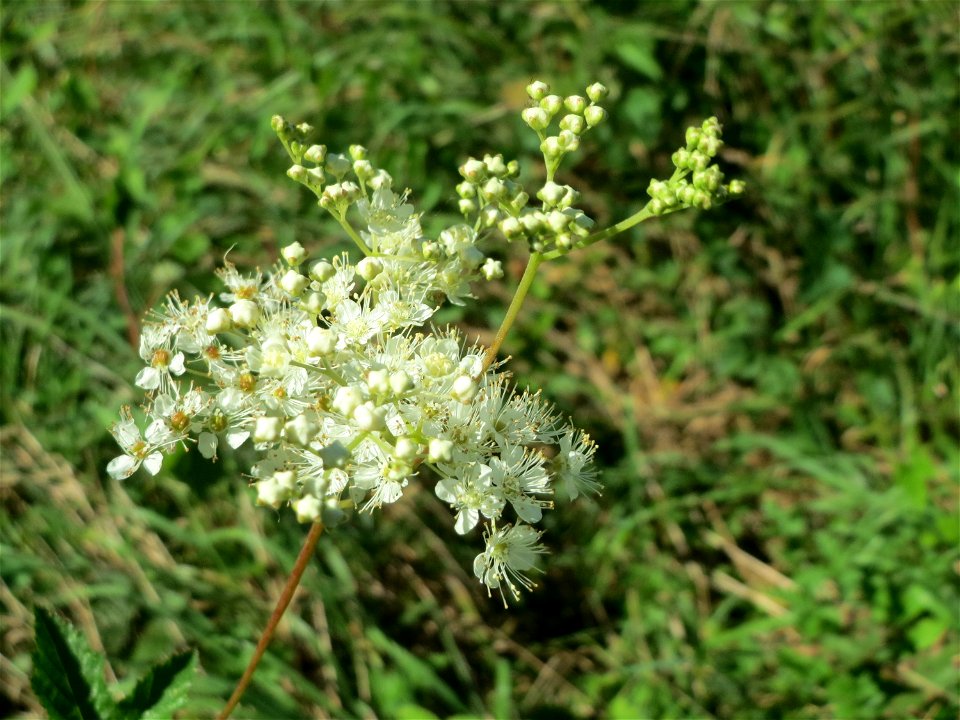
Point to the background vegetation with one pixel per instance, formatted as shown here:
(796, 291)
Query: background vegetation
(773, 385)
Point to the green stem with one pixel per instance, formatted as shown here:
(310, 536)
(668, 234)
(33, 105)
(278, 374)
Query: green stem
(352, 233)
(522, 289)
(303, 559)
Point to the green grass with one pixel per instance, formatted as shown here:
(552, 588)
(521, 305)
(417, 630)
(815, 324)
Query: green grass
(773, 384)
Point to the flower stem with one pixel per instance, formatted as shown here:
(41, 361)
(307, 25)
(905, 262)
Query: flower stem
(519, 296)
(292, 582)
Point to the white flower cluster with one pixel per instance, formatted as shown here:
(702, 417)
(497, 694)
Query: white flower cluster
(325, 369)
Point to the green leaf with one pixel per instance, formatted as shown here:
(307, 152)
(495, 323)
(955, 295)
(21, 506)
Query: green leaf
(67, 675)
(161, 691)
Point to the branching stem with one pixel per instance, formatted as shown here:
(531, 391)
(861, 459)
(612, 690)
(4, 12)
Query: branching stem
(519, 296)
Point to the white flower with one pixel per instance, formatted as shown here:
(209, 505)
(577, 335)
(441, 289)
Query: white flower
(510, 554)
(470, 493)
(245, 313)
(572, 467)
(516, 474)
(145, 450)
(156, 350)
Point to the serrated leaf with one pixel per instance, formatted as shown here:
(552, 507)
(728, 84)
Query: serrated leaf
(161, 691)
(67, 675)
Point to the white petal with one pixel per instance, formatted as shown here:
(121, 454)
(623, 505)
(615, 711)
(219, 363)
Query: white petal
(207, 445)
(121, 467)
(153, 462)
(148, 379)
(446, 490)
(176, 365)
(236, 438)
(466, 521)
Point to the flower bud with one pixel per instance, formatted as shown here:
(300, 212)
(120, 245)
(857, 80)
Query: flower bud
(574, 123)
(380, 180)
(316, 154)
(338, 165)
(357, 152)
(536, 90)
(245, 313)
(466, 190)
(406, 449)
(369, 417)
(322, 270)
(293, 282)
(369, 268)
(495, 165)
(286, 480)
(378, 382)
(363, 169)
(736, 187)
(308, 509)
(314, 303)
(511, 227)
(277, 123)
(439, 450)
(298, 173)
(575, 103)
(269, 494)
(490, 216)
(400, 382)
(536, 118)
(346, 400)
(321, 341)
(467, 206)
(494, 189)
(301, 430)
(492, 269)
(597, 92)
(681, 159)
(294, 254)
(551, 193)
(551, 104)
(594, 115)
(693, 137)
(334, 455)
(551, 147)
(473, 170)
(267, 429)
(465, 389)
(568, 141)
(219, 321)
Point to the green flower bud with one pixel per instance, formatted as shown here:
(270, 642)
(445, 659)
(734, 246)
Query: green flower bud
(520, 200)
(358, 152)
(467, 206)
(466, 190)
(551, 147)
(304, 129)
(473, 170)
(511, 227)
(513, 168)
(656, 206)
(737, 187)
(551, 193)
(575, 103)
(495, 165)
(536, 118)
(298, 173)
(277, 123)
(494, 189)
(551, 104)
(574, 123)
(564, 242)
(594, 115)
(568, 141)
(490, 216)
(316, 154)
(710, 145)
(597, 92)
(363, 169)
(693, 137)
(338, 165)
(698, 161)
(536, 90)
(681, 159)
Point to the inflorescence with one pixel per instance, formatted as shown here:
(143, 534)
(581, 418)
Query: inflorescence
(329, 367)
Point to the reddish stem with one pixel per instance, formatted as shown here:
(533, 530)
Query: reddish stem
(292, 582)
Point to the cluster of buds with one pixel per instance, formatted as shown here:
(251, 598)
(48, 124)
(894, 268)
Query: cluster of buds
(705, 187)
(490, 195)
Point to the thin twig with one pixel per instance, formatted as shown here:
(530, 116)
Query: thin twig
(292, 582)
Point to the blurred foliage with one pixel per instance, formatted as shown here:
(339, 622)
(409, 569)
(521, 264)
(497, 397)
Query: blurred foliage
(773, 384)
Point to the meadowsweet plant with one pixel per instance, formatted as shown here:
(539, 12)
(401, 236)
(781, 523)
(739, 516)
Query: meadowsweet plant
(328, 365)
